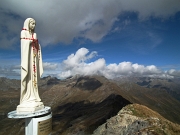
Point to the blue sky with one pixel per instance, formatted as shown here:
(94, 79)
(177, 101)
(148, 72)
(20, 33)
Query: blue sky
(108, 37)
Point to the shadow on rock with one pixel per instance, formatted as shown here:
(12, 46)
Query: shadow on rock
(84, 116)
(87, 83)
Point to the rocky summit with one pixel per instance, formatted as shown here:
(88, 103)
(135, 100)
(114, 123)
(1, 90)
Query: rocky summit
(137, 119)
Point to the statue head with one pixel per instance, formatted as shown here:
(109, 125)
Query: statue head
(29, 24)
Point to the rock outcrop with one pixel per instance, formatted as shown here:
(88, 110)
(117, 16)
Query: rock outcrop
(136, 119)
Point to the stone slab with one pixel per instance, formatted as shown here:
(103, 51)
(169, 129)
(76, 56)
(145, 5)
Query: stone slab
(16, 115)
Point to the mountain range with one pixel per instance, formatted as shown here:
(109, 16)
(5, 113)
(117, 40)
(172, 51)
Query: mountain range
(86, 104)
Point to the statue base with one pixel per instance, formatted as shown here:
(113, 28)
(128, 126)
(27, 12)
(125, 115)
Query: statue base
(37, 123)
(29, 107)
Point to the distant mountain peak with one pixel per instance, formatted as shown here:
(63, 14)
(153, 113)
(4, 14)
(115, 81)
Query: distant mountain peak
(87, 83)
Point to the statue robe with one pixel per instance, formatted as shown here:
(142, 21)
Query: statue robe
(31, 69)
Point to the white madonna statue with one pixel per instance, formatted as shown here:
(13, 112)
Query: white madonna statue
(31, 69)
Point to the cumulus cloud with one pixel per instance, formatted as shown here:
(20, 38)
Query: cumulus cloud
(79, 58)
(83, 62)
(63, 20)
(130, 69)
(50, 66)
(51, 69)
(76, 64)
(173, 72)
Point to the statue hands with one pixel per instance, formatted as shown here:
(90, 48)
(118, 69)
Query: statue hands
(35, 44)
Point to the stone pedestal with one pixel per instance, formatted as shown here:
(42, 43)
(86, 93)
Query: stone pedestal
(29, 107)
(36, 123)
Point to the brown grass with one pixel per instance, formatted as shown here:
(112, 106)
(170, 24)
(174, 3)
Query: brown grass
(165, 127)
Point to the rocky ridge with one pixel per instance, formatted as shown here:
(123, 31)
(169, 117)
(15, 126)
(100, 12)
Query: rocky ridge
(9, 84)
(137, 119)
(171, 86)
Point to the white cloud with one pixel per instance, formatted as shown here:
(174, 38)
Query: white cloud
(51, 69)
(10, 72)
(50, 66)
(173, 72)
(64, 20)
(79, 58)
(9, 69)
(82, 62)
(76, 64)
(129, 69)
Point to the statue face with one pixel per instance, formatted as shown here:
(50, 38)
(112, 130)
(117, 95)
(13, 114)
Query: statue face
(32, 25)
